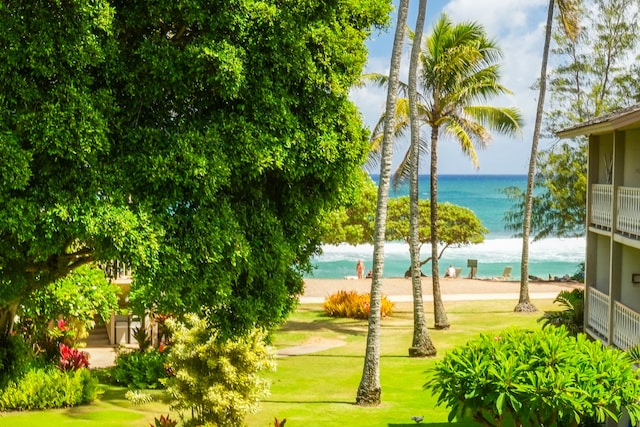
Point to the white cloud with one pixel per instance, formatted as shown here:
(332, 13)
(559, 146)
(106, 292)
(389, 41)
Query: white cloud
(518, 28)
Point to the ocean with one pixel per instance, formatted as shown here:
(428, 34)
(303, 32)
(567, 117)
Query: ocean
(481, 194)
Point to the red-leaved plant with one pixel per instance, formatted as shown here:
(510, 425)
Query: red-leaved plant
(72, 359)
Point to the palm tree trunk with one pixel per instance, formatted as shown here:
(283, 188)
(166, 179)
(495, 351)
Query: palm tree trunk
(440, 315)
(524, 302)
(421, 345)
(370, 390)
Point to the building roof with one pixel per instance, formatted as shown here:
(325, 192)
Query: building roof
(625, 118)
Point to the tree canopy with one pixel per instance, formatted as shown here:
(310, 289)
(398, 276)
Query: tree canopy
(459, 226)
(198, 140)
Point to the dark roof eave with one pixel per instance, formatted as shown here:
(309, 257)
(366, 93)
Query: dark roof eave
(607, 123)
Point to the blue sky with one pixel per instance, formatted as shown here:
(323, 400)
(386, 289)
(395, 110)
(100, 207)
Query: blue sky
(518, 27)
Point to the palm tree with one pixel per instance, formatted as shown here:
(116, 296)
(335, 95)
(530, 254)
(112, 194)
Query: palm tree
(421, 344)
(569, 18)
(459, 70)
(369, 390)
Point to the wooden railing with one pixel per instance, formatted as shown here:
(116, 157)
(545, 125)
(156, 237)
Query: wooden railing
(601, 198)
(598, 312)
(626, 330)
(628, 218)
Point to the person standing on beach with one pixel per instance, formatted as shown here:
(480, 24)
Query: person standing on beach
(360, 269)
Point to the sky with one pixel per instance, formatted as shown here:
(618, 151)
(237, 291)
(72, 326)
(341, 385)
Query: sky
(518, 28)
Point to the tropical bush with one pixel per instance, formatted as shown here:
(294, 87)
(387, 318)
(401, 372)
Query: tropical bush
(44, 388)
(572, 315)
(353, 305)
(534, 378)
(140, 369)
(15, 355)
(72, 359)
(217, 380)
(65, 310)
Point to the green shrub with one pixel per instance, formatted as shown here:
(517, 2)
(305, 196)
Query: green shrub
(353, 305)
(534, 378)
(572, 315)
(15, 355)
(45, 388)
(216, 380)
(140, 369)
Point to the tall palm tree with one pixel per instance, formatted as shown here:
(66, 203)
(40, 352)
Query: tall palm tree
(370, 390)
(569, 17)
(459, 70)
(421, 344)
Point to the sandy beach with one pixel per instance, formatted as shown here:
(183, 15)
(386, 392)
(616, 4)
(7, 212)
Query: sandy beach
(452, 288)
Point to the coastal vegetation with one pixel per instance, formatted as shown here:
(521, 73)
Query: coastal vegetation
(459, 71)
(300, 388)
(354, 224)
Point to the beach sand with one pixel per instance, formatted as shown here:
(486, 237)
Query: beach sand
(317, 289)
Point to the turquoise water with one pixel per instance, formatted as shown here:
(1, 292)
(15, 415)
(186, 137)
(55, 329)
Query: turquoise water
(481, 194)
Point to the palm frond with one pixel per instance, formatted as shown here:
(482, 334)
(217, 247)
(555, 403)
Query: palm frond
(454, 127)
(570, 17)
(505, 120)
(382, 80)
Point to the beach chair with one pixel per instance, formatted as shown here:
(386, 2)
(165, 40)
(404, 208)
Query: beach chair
(458, 271)
(506, 274)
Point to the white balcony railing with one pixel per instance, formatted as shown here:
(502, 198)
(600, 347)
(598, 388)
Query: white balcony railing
(598, 312)
(601, 199)
(626, 330)
(628, 219)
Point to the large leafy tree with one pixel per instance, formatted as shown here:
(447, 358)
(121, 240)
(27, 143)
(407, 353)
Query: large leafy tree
(568, 14)
(370, 390)
(459, 73)
(197, 140)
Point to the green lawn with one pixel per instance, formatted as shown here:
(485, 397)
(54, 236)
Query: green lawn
(319, 389)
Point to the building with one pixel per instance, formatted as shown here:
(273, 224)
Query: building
(612, 269)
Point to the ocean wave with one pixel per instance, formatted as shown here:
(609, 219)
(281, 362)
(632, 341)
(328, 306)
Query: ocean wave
(502, 250)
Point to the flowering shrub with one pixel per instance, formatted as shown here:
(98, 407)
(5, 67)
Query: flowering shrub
(353, 305)
(72, 359)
